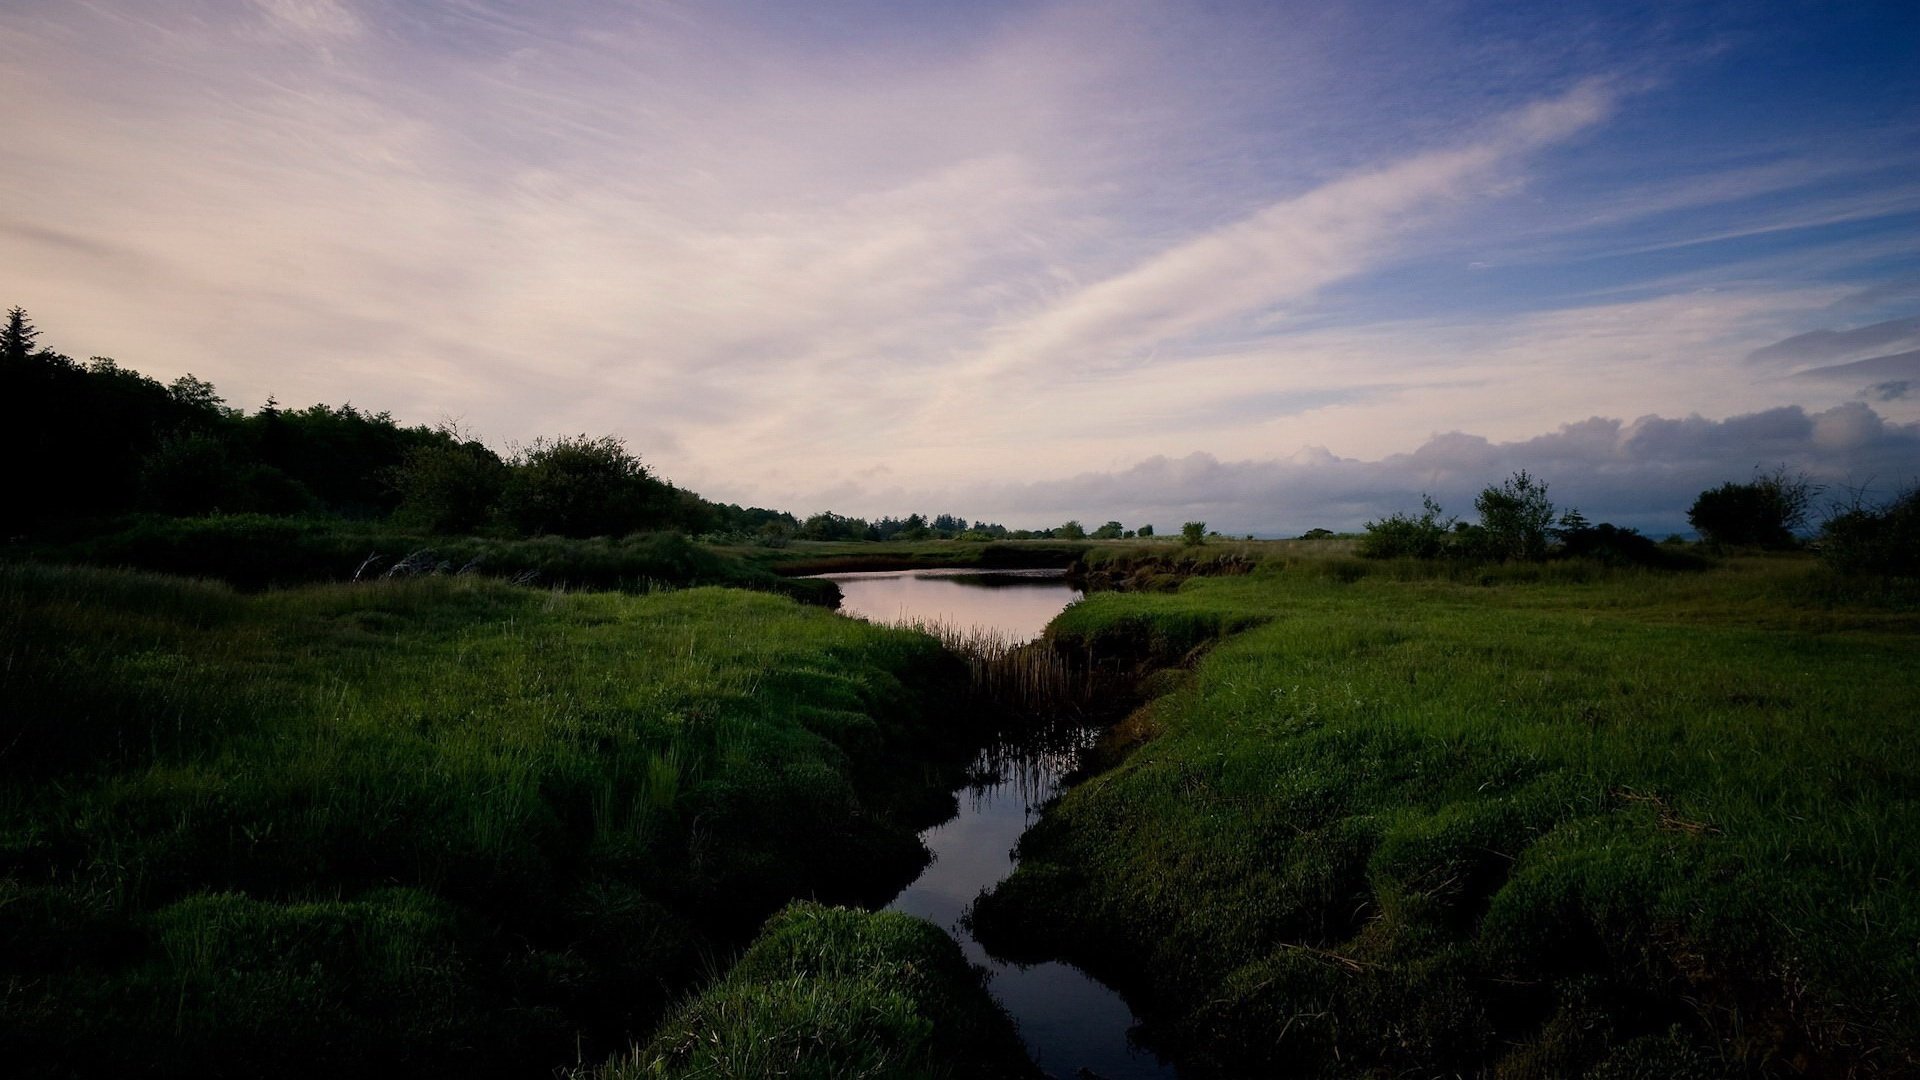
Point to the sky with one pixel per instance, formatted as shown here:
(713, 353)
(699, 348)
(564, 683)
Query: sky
(1269, 265)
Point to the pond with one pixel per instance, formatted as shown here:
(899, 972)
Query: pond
(1073, 1025)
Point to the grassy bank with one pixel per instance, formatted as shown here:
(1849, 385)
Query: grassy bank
(831, 993)
(434, 825)
(1530, 821)
(255, 551)
(843, 557)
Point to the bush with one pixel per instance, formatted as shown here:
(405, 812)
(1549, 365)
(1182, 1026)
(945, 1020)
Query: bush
(582, 487)
(1403, 535)
(1514, 518)
(1869, 540)
(449, 487)
(1193, 533)
(1764, 513)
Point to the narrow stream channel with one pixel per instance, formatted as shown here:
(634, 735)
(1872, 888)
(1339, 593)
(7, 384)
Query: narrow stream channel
(1073, 1025)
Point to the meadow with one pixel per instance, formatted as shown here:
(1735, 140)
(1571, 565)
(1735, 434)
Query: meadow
(1395, 817)
(439, 825)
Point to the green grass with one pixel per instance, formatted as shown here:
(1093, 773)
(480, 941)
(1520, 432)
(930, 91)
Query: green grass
(255, 551)
(833, 994)
(1524, 821)
(442, 823)
(850, 556)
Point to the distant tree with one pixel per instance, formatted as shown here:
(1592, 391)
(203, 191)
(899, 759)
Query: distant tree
(580, 486)
(18, 337)
(914, 528)
(196, 393)
(1110, 531)
(1316, 534)
(1145, 532)
(1193, 533)
(1765, 512)
(1072, 530)
(1514, 518)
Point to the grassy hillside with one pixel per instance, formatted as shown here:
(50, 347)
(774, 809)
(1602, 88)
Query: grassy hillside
(1527, 822)
(439, 825)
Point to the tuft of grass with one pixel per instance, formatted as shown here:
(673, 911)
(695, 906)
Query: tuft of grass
(1520, 822)
(830, 993)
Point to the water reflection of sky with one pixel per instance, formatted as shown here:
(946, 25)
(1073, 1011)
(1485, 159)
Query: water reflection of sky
(1072, 1025)
(1018, 603)
(1069, 1021)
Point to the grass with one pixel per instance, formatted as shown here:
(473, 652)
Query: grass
(1521, 821)
(833, 994)
(443, 824)
(254, 551)
(851, 556)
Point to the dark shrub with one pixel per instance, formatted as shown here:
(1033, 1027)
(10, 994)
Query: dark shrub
(1403, 535)
(578, 486)
(450, 487)
(1884, 540)
(1763, 513)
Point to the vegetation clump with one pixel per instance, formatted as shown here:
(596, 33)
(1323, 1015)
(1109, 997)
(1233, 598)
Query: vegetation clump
(1766, 512)
(832, 993)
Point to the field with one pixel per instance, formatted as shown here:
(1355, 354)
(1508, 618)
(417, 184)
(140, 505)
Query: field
(1523, 821)
(442, 825)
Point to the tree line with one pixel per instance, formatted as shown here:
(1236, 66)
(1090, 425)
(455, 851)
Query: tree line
(1772, 511)
(95, 440)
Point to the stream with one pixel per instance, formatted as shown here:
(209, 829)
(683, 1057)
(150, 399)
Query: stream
(1073, 1025)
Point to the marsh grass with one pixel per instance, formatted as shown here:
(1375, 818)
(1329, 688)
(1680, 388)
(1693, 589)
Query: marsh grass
(832, 993)
(438, 821)
(1011, 678)
(254, 551)
(1518, 821)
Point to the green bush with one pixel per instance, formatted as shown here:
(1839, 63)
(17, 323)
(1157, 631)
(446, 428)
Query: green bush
(1406, 536)
(579, 486)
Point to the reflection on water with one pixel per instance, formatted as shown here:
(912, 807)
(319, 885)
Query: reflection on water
(1014, 603)
(1073, 1025)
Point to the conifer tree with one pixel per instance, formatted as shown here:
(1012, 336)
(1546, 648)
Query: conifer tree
(16, 340)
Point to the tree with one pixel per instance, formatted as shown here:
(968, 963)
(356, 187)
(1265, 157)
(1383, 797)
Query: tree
(450, 487)
(1110, 531)
(1515, 517)
(1146, 532)
(579, 486)
(1764, 513)
(196, 393)
(17, 337)
(1193, 533)
(1072, 530)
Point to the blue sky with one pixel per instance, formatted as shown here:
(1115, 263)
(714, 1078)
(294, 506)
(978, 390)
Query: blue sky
(1276, 265)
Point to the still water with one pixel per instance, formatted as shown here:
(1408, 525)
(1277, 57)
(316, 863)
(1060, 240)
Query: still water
(1073, 1025)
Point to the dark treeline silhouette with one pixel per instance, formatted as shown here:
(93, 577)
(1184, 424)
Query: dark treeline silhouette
(95, 440)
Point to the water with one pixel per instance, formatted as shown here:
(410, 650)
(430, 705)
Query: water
(1073, 1025)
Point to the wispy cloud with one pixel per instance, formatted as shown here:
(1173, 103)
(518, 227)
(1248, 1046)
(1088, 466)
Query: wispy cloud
(775, 245)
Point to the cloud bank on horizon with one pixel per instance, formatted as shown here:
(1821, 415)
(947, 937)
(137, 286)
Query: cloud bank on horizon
(1273, 265)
